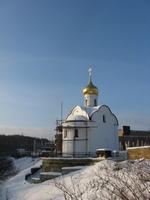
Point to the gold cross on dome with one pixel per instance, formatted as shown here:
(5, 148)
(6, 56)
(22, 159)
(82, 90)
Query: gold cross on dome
(90, 71)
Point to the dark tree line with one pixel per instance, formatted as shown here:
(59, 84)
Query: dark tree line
(9, 144)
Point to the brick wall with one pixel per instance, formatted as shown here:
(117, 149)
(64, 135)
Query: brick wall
(139, 152)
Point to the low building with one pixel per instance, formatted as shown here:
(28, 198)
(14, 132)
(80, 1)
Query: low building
(133, 138)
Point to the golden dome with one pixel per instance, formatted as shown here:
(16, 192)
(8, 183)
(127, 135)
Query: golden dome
(90, 89)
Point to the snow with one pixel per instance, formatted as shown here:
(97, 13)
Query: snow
(61, 158)
(25, 162)
(103, 149)
(36, 179)
(91, 110)
(76, 118)
(16, 183)
(18, 189)
(82, 113)
(74, 167)
(141, 147)
(51, 173)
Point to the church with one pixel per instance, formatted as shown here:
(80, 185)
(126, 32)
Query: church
(89, 127)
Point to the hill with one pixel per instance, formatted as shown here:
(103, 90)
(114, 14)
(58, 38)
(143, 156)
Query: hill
(10, 143)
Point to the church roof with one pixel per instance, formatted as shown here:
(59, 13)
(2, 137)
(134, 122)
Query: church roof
(85, 113)
(90, 110)
(77, 114)
(76, 118)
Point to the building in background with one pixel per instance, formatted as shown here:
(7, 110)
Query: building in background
(133, 138)
(43, 147)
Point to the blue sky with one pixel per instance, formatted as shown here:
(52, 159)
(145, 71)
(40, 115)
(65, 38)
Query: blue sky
(46, 47)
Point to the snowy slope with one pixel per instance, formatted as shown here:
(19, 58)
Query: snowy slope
(80, 182)
(22, 166)
(24, 163)
(18, 189)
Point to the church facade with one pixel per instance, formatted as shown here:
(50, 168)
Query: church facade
(89, 127)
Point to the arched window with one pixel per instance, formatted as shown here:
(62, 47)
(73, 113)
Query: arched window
(95, 102)
(76, 133)
(65, 133)
(104, 119)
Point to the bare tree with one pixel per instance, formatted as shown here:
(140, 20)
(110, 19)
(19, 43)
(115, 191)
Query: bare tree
(130, 182)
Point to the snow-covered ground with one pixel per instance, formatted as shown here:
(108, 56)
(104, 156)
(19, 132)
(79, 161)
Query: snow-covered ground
(16, 188)
(22, 167)
(25, 162)
(84, 182)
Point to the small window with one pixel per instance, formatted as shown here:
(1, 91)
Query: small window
(76, 133)
(95, 102)
(104, 119)
(65, 133)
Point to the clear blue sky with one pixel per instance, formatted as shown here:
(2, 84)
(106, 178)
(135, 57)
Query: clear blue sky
(46, 47)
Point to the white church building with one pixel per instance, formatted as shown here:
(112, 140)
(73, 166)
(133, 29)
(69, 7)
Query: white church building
(89, 127)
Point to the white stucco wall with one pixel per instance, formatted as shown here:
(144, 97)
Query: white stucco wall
(75, 145)
(106, 134)
(90, 100)
(67, 146)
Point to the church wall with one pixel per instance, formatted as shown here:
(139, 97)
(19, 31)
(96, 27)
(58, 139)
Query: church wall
(75, 145)
(67, 148)
(105, 135)
(81, 143)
